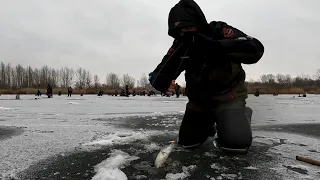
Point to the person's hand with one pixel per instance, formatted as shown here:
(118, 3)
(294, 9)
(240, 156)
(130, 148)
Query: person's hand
(150, 77)
(159, 81)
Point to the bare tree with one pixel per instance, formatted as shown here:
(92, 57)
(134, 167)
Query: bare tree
(14, 83)
(288, 80)
(8, 75)
(80, 82)
(57, 78)
(143, 82)
(303, 81)
(127, 80)
(113, 81)
(281, 79)
(96, 81)
(268, 79)
(264, 78)
(19, 75)
(66, 75)
(69, 77)
(317, 75)
(54, 78)
(44, 76)
(88, 79)
(3, 83)
(36, 77)
(29, 77)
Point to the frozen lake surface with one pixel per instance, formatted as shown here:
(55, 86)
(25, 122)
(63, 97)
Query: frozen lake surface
(116, 138)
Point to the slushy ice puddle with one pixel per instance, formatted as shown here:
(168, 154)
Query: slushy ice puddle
(112, 138)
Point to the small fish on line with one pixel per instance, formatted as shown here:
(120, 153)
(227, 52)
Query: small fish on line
(164, 154)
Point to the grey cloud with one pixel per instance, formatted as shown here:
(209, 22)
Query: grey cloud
(130, 36)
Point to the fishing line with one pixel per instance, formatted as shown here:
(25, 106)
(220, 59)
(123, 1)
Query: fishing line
(182, 59)
(166, 63)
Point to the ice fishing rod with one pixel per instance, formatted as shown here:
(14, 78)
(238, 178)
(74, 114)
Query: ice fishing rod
(182, 59)
(228, 41)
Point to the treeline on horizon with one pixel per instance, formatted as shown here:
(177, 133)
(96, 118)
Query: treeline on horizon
(286, 84)
(20, 77)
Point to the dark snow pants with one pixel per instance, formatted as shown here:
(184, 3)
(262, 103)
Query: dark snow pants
(232, 119)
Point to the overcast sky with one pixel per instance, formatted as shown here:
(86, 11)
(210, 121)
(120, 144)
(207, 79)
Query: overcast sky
(130, 36)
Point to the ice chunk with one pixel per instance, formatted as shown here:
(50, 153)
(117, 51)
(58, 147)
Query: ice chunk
(140, 177)
(109, 169)
(110, 174)
(152, 147)
(217, 166)
(184, 174)
(118, 138)
(229, 176)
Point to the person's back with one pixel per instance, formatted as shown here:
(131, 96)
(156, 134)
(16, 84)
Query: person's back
(70, 91)
(49, 89)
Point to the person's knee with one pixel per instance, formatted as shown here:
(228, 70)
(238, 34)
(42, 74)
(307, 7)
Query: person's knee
(192, 132)
(249, 113)
(234, 127)
(237, 140)
(194, 127)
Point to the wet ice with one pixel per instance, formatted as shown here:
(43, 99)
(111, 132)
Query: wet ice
(145, 124)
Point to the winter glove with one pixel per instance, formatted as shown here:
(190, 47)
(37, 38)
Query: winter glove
(150, 77)
(200, 44)
(159, 81)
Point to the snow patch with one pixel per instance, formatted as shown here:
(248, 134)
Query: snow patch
(210, 154)
(217, 166)
(109, 169)
(229, 176)
(118, 138)
(140, 177)
(5, 109)
(184, 174)
(251, 168)
(152, 147)
(158, 113)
